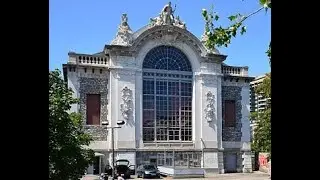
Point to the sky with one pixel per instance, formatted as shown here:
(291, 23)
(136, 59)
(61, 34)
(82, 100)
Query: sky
(85, 26)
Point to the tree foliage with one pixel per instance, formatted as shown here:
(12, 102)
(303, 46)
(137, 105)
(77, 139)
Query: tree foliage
(217, 36)
(262, 119)
(68, 159)
(262, 132)
(264, 88)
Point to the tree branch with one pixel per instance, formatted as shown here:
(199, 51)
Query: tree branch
(255, 12)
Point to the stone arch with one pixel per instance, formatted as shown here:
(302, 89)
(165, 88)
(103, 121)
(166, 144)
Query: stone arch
(189, 52)
(148, 38)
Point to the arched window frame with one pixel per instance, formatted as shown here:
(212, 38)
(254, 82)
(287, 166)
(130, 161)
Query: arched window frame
(167, 96)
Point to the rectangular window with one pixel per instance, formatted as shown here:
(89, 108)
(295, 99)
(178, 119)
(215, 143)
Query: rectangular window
(230, 113)
(93, 109)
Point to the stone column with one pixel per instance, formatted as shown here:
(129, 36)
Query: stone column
(220, 162)
(246, 162)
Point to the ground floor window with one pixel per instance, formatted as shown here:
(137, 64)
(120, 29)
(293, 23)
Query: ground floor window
(183, 159)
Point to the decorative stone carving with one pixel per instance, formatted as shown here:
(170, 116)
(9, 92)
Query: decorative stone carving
(124, 33)
(209, 110)
(166, 17)
(166, 38)
(204, 37)
(126, 106)
(179, 23)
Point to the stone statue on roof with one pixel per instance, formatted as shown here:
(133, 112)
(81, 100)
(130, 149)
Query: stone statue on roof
(124, 33)
(166, 17)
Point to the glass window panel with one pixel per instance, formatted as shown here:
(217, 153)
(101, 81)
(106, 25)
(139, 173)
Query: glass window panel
(148, 86)
(148, 102)
(148, 134)
(148, 118)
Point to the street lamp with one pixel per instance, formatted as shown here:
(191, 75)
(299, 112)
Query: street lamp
(119, 123)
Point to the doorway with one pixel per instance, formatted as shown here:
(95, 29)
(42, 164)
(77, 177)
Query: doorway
(230, 164)
(96, 165)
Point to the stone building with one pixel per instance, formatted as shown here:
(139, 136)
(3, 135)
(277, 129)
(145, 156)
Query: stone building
(182, 106)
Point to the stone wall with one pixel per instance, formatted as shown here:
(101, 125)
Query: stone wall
(232, 133)
(94, 86)
(99, 133)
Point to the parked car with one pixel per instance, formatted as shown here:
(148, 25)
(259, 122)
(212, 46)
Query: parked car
(148, 171)
(122, 168)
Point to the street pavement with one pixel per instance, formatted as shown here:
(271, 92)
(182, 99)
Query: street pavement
(239, 176)
(232, 176)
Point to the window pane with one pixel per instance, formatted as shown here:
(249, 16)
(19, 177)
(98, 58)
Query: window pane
(173, 88)
(161, 87)
(148, 118)
(148, 87)
(148, 102)
(162, 134)
(148, 134)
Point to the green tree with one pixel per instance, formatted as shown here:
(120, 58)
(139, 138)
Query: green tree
(262, 132)
(217, 36)
(68, 159)
(262, 119)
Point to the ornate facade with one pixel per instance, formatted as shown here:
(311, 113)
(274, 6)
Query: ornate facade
(182, 106)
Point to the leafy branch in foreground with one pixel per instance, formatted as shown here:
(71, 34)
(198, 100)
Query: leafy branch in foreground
(218, 36)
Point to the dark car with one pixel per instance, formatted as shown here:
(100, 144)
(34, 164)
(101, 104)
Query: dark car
(148, 171)
(122, 168)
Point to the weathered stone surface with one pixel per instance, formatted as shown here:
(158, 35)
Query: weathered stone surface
(232, 133)
(94, 86)
(98, 133)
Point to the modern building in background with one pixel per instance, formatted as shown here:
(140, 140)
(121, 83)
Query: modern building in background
(257, 101)
(182, 106)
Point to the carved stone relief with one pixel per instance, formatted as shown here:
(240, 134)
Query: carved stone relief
(210, 109)
(126, 107)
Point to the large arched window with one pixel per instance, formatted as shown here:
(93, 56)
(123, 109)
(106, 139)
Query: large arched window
(167, 95)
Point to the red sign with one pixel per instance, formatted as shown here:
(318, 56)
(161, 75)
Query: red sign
(263, 161)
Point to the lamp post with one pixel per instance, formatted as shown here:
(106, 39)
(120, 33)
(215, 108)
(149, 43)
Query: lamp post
(119, 123)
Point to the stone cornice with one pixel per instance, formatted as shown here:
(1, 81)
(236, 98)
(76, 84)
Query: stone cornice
(119, 68)
(237, 78)
(84, 66)
(81, 54)
(201, 74)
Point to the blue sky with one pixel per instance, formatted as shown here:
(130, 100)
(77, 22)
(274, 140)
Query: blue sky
(85, 26)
